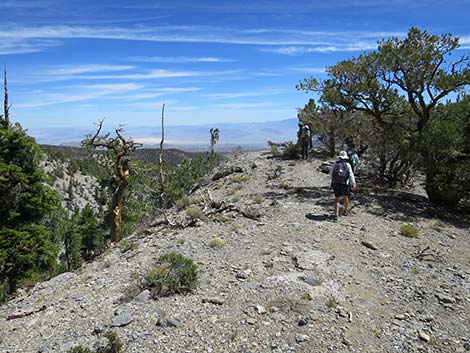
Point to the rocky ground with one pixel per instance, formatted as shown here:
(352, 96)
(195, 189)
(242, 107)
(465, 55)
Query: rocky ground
(285, 277)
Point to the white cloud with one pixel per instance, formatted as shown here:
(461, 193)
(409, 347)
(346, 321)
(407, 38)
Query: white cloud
(308, 70)
(83, 69)
(259, 93)
(243, 105)
(320, 40)
(178, 59)
(296, 50)
(79, 93)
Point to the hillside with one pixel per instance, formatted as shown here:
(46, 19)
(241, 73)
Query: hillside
(282, 277)
(75, 172)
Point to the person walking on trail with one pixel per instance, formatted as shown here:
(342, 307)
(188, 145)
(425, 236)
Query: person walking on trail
(342, 179)
(305, 141)
(353, 157)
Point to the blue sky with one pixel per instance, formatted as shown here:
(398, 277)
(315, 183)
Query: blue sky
(72, 62)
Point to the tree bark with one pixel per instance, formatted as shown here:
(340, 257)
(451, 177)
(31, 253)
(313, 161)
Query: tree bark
(162, 177)
(6, 107)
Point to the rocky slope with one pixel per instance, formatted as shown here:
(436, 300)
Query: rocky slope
(284, 278)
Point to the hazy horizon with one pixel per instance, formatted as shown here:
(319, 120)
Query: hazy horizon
(72, 63)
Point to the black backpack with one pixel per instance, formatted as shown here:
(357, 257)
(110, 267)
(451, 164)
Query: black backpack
(340, 173)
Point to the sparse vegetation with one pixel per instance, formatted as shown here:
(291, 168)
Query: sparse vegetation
(331, 303)
(258, 199)
(127, 245)
(438, 225)
(114, 345)
(172, 274)
(216, 243)
(409, 231)
(195, 212)
(237, 179)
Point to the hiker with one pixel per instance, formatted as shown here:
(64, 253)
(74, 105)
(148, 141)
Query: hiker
(353, 157)
(342, 179)
(305, 140)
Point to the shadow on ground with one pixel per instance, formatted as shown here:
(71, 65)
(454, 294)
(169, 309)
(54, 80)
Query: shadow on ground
(382, 202)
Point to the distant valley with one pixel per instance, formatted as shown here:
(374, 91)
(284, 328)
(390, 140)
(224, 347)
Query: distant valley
(249, 136)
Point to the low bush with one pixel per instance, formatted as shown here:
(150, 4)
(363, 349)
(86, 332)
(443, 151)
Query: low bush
(409, 231)
(216, 242)
(194, 212)
(237, 179)
(172, 274)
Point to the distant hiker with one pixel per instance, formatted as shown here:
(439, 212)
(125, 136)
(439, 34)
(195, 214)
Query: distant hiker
(353, 157)
(305, 141)
(342, 178)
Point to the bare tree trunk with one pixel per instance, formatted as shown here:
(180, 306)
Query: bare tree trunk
(162, 177)
(6, 107)
(116, 225)
(123, 173)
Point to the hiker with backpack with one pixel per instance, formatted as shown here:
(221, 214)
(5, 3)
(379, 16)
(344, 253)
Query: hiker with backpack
(353, 157)
(305, 140)
(342, 180)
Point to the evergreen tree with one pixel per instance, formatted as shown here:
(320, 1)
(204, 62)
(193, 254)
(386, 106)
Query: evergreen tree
(26, 249)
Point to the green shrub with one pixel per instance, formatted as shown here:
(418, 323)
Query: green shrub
(126, 245)
(172, 274)
(216, 242)
(194, 212)
(80, 349)
(409, 231)
(183, 202)
(290, 150)
(438, 225)
(114, 343)
(331, 302)
(238, 179)
(258, 199)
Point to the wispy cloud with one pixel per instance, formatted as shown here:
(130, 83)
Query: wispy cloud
(259, 93)
(83, 69)
(243, 105)
(80, 93)
(307, 70)
(305, 40)
(296, 50)
(178, 59)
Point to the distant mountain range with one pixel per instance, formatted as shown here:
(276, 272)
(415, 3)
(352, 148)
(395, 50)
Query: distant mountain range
(249, 136)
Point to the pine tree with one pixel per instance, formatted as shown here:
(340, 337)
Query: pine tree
(26, 249)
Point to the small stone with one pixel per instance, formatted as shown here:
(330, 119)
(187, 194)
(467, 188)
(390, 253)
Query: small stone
(445, 299)
(67, 346)
(303, 321)
(98, 328)
(424, 336)
(143, 297)
(261, 309)
(214, 300)
(467, 346)
(173, 323)
(251, 321)
(369, 245)
(243, 274)
(299, 338)
(400, 317)
(122, 318)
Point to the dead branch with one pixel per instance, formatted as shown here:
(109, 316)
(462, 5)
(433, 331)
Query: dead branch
(162, 177)
(427, 254)
(24, 313)
(6, 107)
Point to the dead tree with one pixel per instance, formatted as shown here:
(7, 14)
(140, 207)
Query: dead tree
(161, 178)
(120, 149)
(6, 107)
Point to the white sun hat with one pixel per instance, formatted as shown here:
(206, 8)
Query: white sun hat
(343, 155)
